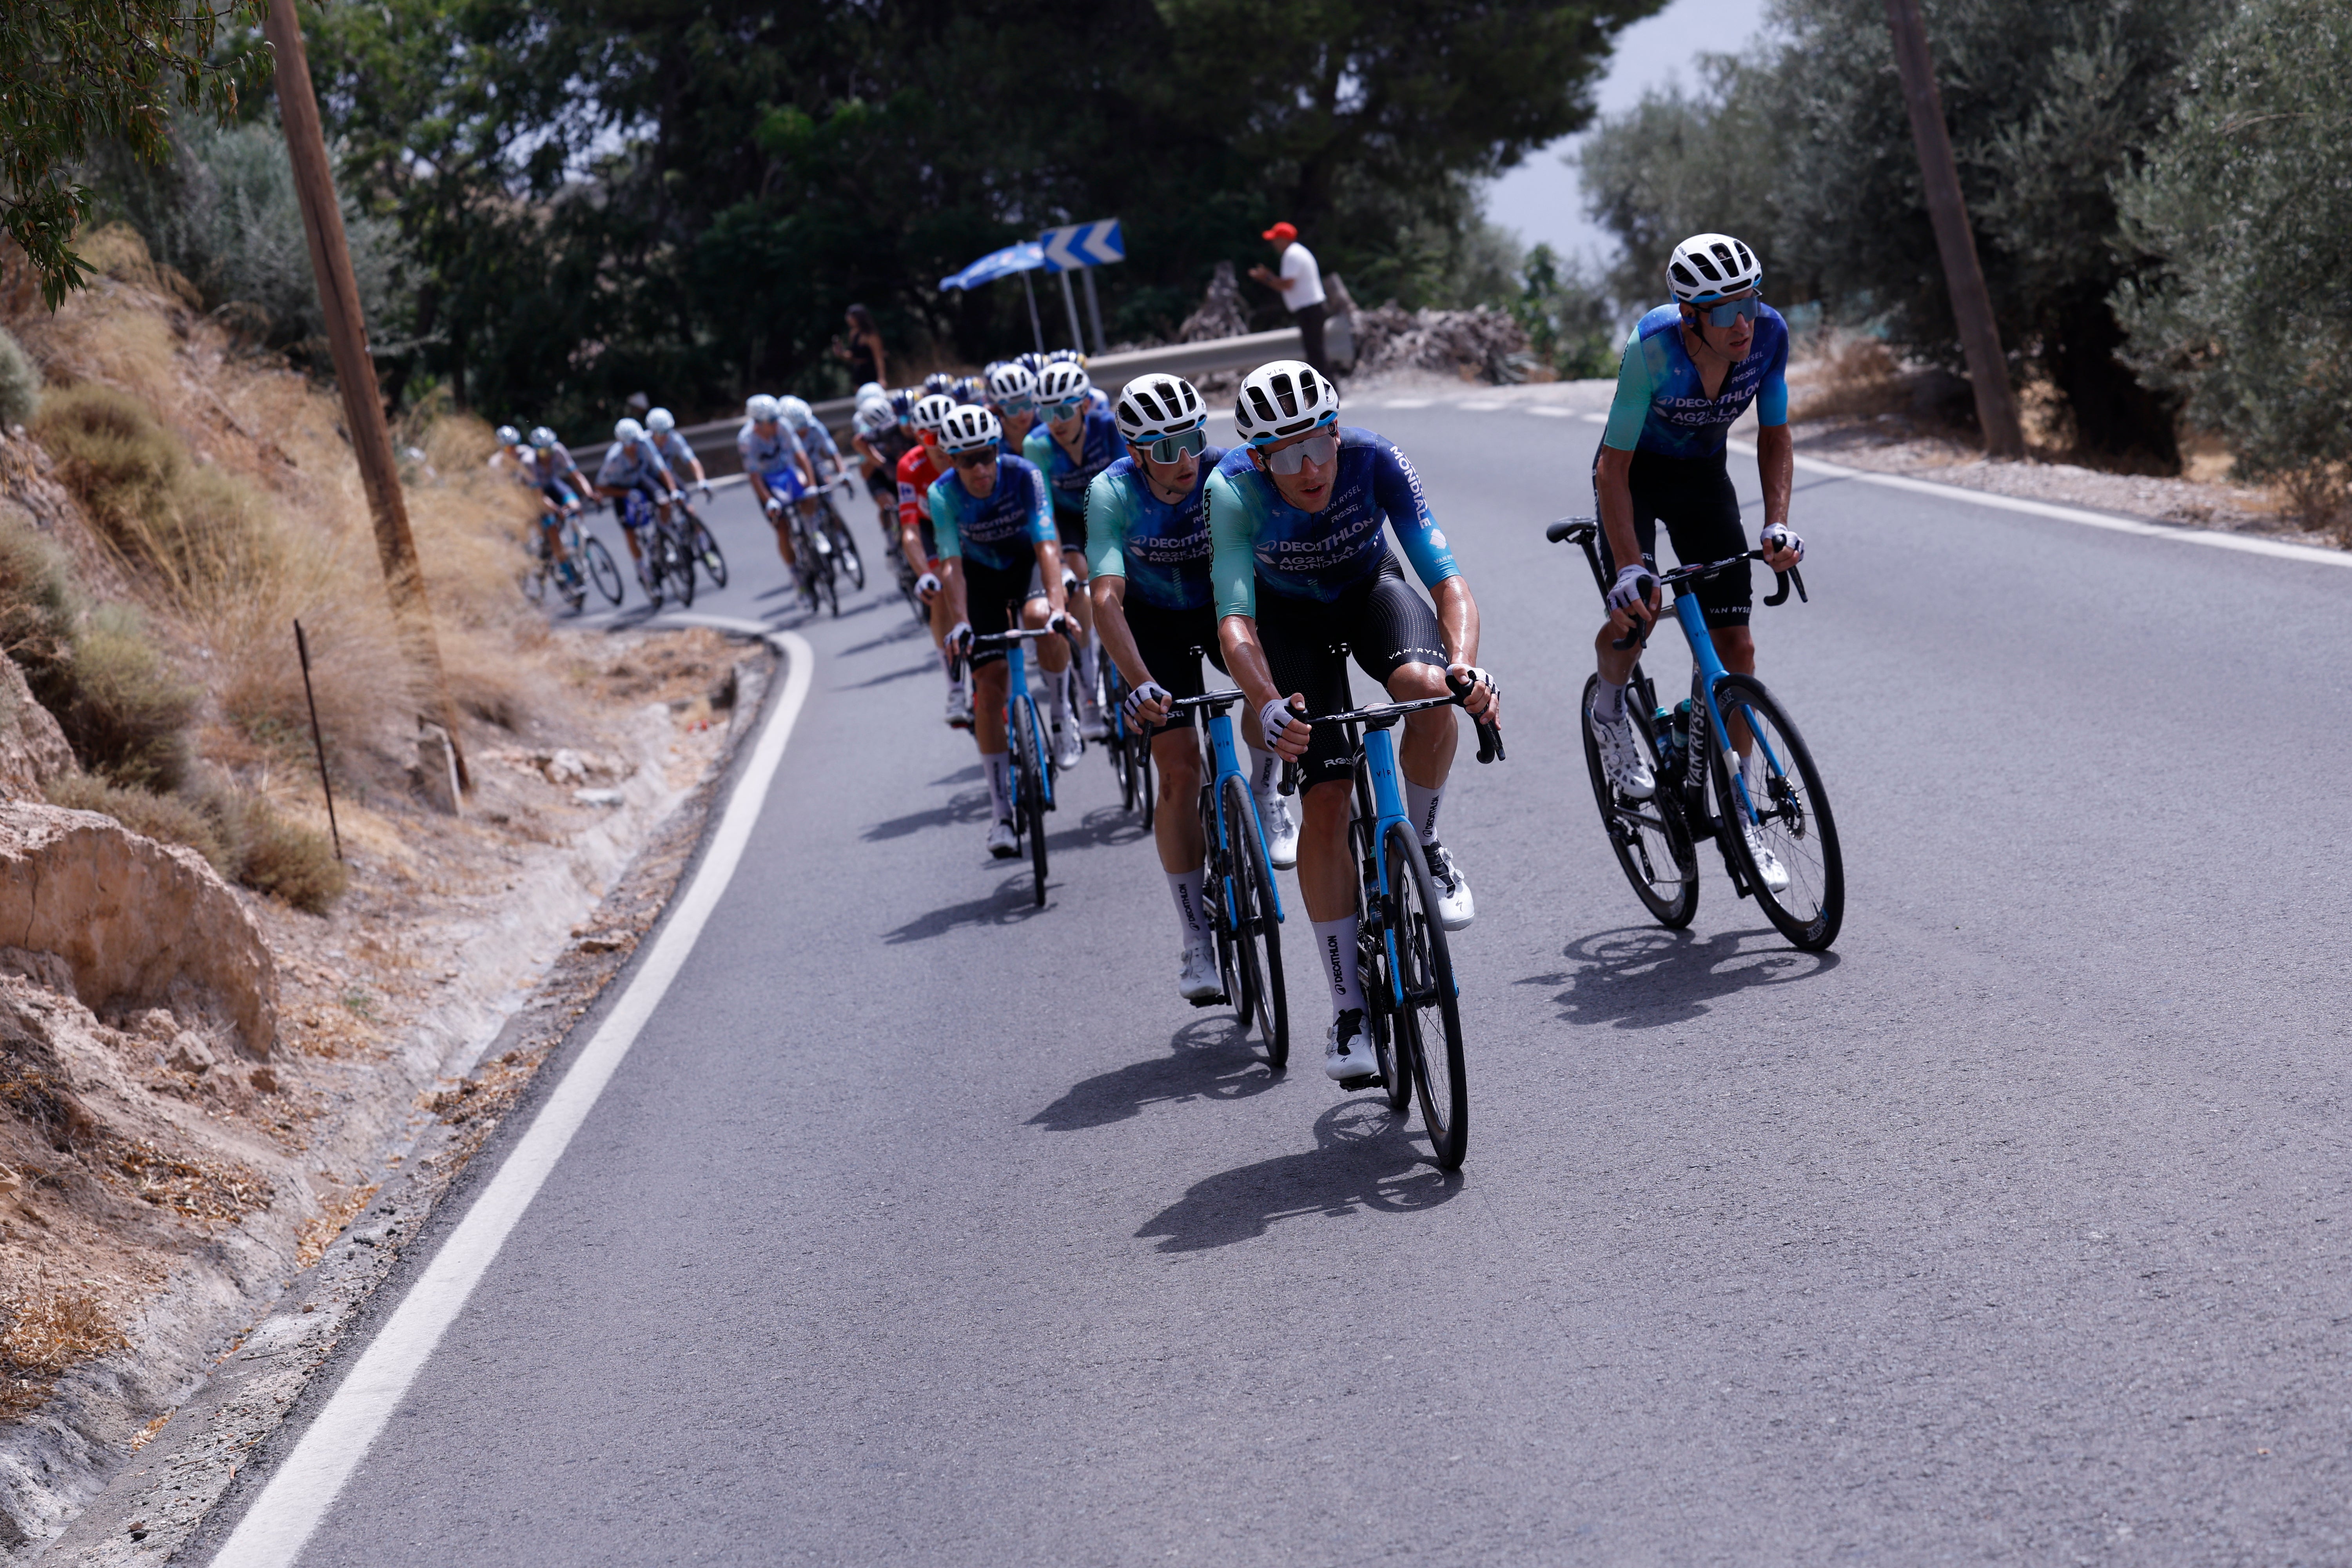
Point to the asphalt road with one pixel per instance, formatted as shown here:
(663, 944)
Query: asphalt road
(923, 1226)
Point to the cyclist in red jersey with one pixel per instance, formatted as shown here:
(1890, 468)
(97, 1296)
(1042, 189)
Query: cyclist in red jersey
(918, 469)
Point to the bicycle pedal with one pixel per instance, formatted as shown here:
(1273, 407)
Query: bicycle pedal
(1358, 1085)
(1219, 1000)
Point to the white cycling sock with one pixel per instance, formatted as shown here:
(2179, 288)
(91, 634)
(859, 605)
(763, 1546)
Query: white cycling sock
(1058, 696)
(1266, 774)
(1608, 703)
(1335, 949)
(1420, 804)
(1087, 652)
(998, 765)
(1185, 888)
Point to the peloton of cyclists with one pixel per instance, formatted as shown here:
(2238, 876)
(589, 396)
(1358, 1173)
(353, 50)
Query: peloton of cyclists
(1690, 368)
(1301, 563)
(1155, 613)
(923, 466)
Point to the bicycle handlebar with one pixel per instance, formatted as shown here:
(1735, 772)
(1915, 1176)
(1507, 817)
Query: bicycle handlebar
(1006, 639)
(1490, 736)
(1585, 531)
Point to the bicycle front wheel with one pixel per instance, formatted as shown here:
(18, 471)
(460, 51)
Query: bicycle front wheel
(1029, 779)
(1653, 844)
(846, 550)
(1428, 1015)
(1256, 932)
(706, 549)
(601, 570)
(1791, 824)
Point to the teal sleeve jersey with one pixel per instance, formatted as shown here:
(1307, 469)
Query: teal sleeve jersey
(1162, 548)
(1000, 529)
(1661, 404)
(1258, 538)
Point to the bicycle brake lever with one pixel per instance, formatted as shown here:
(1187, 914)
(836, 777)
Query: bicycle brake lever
(1490, 744)
(1799, 578)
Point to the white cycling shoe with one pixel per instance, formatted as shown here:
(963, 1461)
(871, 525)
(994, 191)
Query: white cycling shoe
(1198, 981)
(1066, 747)
(1348, 1049)
(959, 707)
(1281, 830)
(1091, 723)
(1002, 842)
(1767, 865)
(1623, 759)
(1455, 907)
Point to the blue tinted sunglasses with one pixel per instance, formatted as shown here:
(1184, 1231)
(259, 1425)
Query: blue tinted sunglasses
(1017, 406)
(1169, 448)
(1057, 412)
(1724, 315)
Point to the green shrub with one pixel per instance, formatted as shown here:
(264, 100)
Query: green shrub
(40, 606)
(128, 713)
(20, 384)
(244, 840)
(115, 458)
(167, 819)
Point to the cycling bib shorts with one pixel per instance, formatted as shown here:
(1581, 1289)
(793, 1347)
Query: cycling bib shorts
(785, 484)
(991, 595)
(1385, 626)
(1697, 500)
(1171, 643)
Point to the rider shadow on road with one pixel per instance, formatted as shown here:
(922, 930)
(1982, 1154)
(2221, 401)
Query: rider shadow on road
(1639, 977)
(1213, 1061)
(1013, 902)
(1105, 825)
(968, 806)
(1362, 1163)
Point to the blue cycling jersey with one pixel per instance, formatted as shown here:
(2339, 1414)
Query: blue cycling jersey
(1000, 529)
(630, 464)
(764, 454)
(1662, 405)
(1259, 538)
(675, 448)
(1099, 447)
(551, 466)
(1162, 548)
(817, 442)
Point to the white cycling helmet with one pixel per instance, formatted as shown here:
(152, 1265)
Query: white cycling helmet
(1706, 266)
(969, 427)
(660, 421)
(1010, 380)
(1151, 406)
(1285, 398)
(795, 411)
(931, 410)
(628, 430)
(1061, 380)
(507, 435)
(541, 437)
(871, 390)
(873, 417)
(761, 409)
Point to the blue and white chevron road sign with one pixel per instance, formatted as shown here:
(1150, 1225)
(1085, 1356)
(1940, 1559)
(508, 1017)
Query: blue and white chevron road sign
(1083, 245)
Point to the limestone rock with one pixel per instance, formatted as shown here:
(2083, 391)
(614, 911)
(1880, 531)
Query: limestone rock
(138, 925)
(32, 750)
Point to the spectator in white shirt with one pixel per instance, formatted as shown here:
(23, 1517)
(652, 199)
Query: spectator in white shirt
(1301, 285)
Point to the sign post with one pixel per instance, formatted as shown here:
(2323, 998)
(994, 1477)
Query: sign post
(1081, 248)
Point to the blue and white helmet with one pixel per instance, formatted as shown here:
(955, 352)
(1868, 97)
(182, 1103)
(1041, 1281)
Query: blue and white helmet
(1159, 405)
(873, 417)
(508, 436)
(969, 428)
(1706, 266)
(1288, 397)
(661, 421)
(761, 409)
(796, 411)
(1060, 381)
(1009, 381)
(932, 411)
(627, 431)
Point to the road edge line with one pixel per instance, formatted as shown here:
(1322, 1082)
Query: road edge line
(295, 1500)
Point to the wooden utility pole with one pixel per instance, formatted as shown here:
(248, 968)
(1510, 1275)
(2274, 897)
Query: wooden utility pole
(1963, 274)
(339, 298)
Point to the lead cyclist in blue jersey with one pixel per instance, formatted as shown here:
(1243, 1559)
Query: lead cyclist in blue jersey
(1690, 369)
(1298, 521)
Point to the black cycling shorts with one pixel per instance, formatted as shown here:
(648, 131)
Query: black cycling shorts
(1694, 498)
(881, 486)
(1071, 526)
(993, 597)
(1384, 624)
(1171, 643)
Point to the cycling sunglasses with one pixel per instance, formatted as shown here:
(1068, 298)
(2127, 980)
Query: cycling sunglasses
(978, 459)
(1169, 448)
(1738, 310)
(1318, 449)
(1018, 406)
(1057, 412)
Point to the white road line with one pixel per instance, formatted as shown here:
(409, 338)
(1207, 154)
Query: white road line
(1550, 410)
(1405, 403)
(1483, 405)
(291, 1507)
(2244, 544)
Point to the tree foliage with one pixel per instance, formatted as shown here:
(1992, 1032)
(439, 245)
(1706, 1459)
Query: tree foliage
(2248, 197)
(74, 75)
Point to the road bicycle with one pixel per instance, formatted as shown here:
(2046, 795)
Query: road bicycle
(1243, 905)
(829, 523)
(1412, 1006)
(1129, 749)
(1025, 732)
(585, 561)
(669, 565)
(1657, 840)
(701, 547)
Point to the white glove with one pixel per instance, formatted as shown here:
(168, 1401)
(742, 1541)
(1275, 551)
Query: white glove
(775, 508)
(1471, 678)
(705, 490)
(1149, 692)
(959, 639)
(926, 585)
(1776, 537)
(1275, 718)
(1626, 593)
(1062, 621)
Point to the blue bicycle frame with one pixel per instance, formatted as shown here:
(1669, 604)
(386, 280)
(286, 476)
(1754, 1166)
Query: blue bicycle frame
(1016, 688)
(1225, 762)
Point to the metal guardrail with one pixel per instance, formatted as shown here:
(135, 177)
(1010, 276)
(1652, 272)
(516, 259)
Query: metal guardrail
(715, 441)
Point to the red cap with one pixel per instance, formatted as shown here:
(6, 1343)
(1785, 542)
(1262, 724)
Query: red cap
(1281, 233)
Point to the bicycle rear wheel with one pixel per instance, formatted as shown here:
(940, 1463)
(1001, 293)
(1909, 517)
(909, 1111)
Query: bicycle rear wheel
(1653, 844)
(844, 550)
(707, 550)
(1256, 932)
(1429, 1019)
(1029, 781)
(1793, 824)
(601, 570)
(1389, 1052)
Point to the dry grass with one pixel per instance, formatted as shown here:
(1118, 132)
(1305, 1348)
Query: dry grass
(1854, 377)
(45, 1337)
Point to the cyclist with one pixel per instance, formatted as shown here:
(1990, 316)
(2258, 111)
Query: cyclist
(544, 465)
(1013, 398)
(661, 429)
(1302, 564)
(1155, 610)
(922, 467)
(1691, 367)
(997, 549)
(879, 439)
(631, 463)
(825, 460)
(1074, 441)
(780, 476)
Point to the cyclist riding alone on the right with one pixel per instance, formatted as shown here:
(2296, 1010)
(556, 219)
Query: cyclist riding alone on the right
(1691, 368)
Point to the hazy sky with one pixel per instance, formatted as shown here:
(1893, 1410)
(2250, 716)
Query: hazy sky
(1541, 198)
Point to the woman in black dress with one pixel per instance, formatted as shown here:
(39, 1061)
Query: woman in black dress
(863, 351)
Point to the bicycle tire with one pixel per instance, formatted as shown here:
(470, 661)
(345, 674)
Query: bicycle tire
(681, 564)
(1147, 787)
(846, 550)
(1800, 831)
(707, 550)
(1214, 907)
(1372, 970)
(825, 587)
(1031, 783)
(601, 569)
(1425, 977)
(534, 583)
(1645, 832)
(1256, 932)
